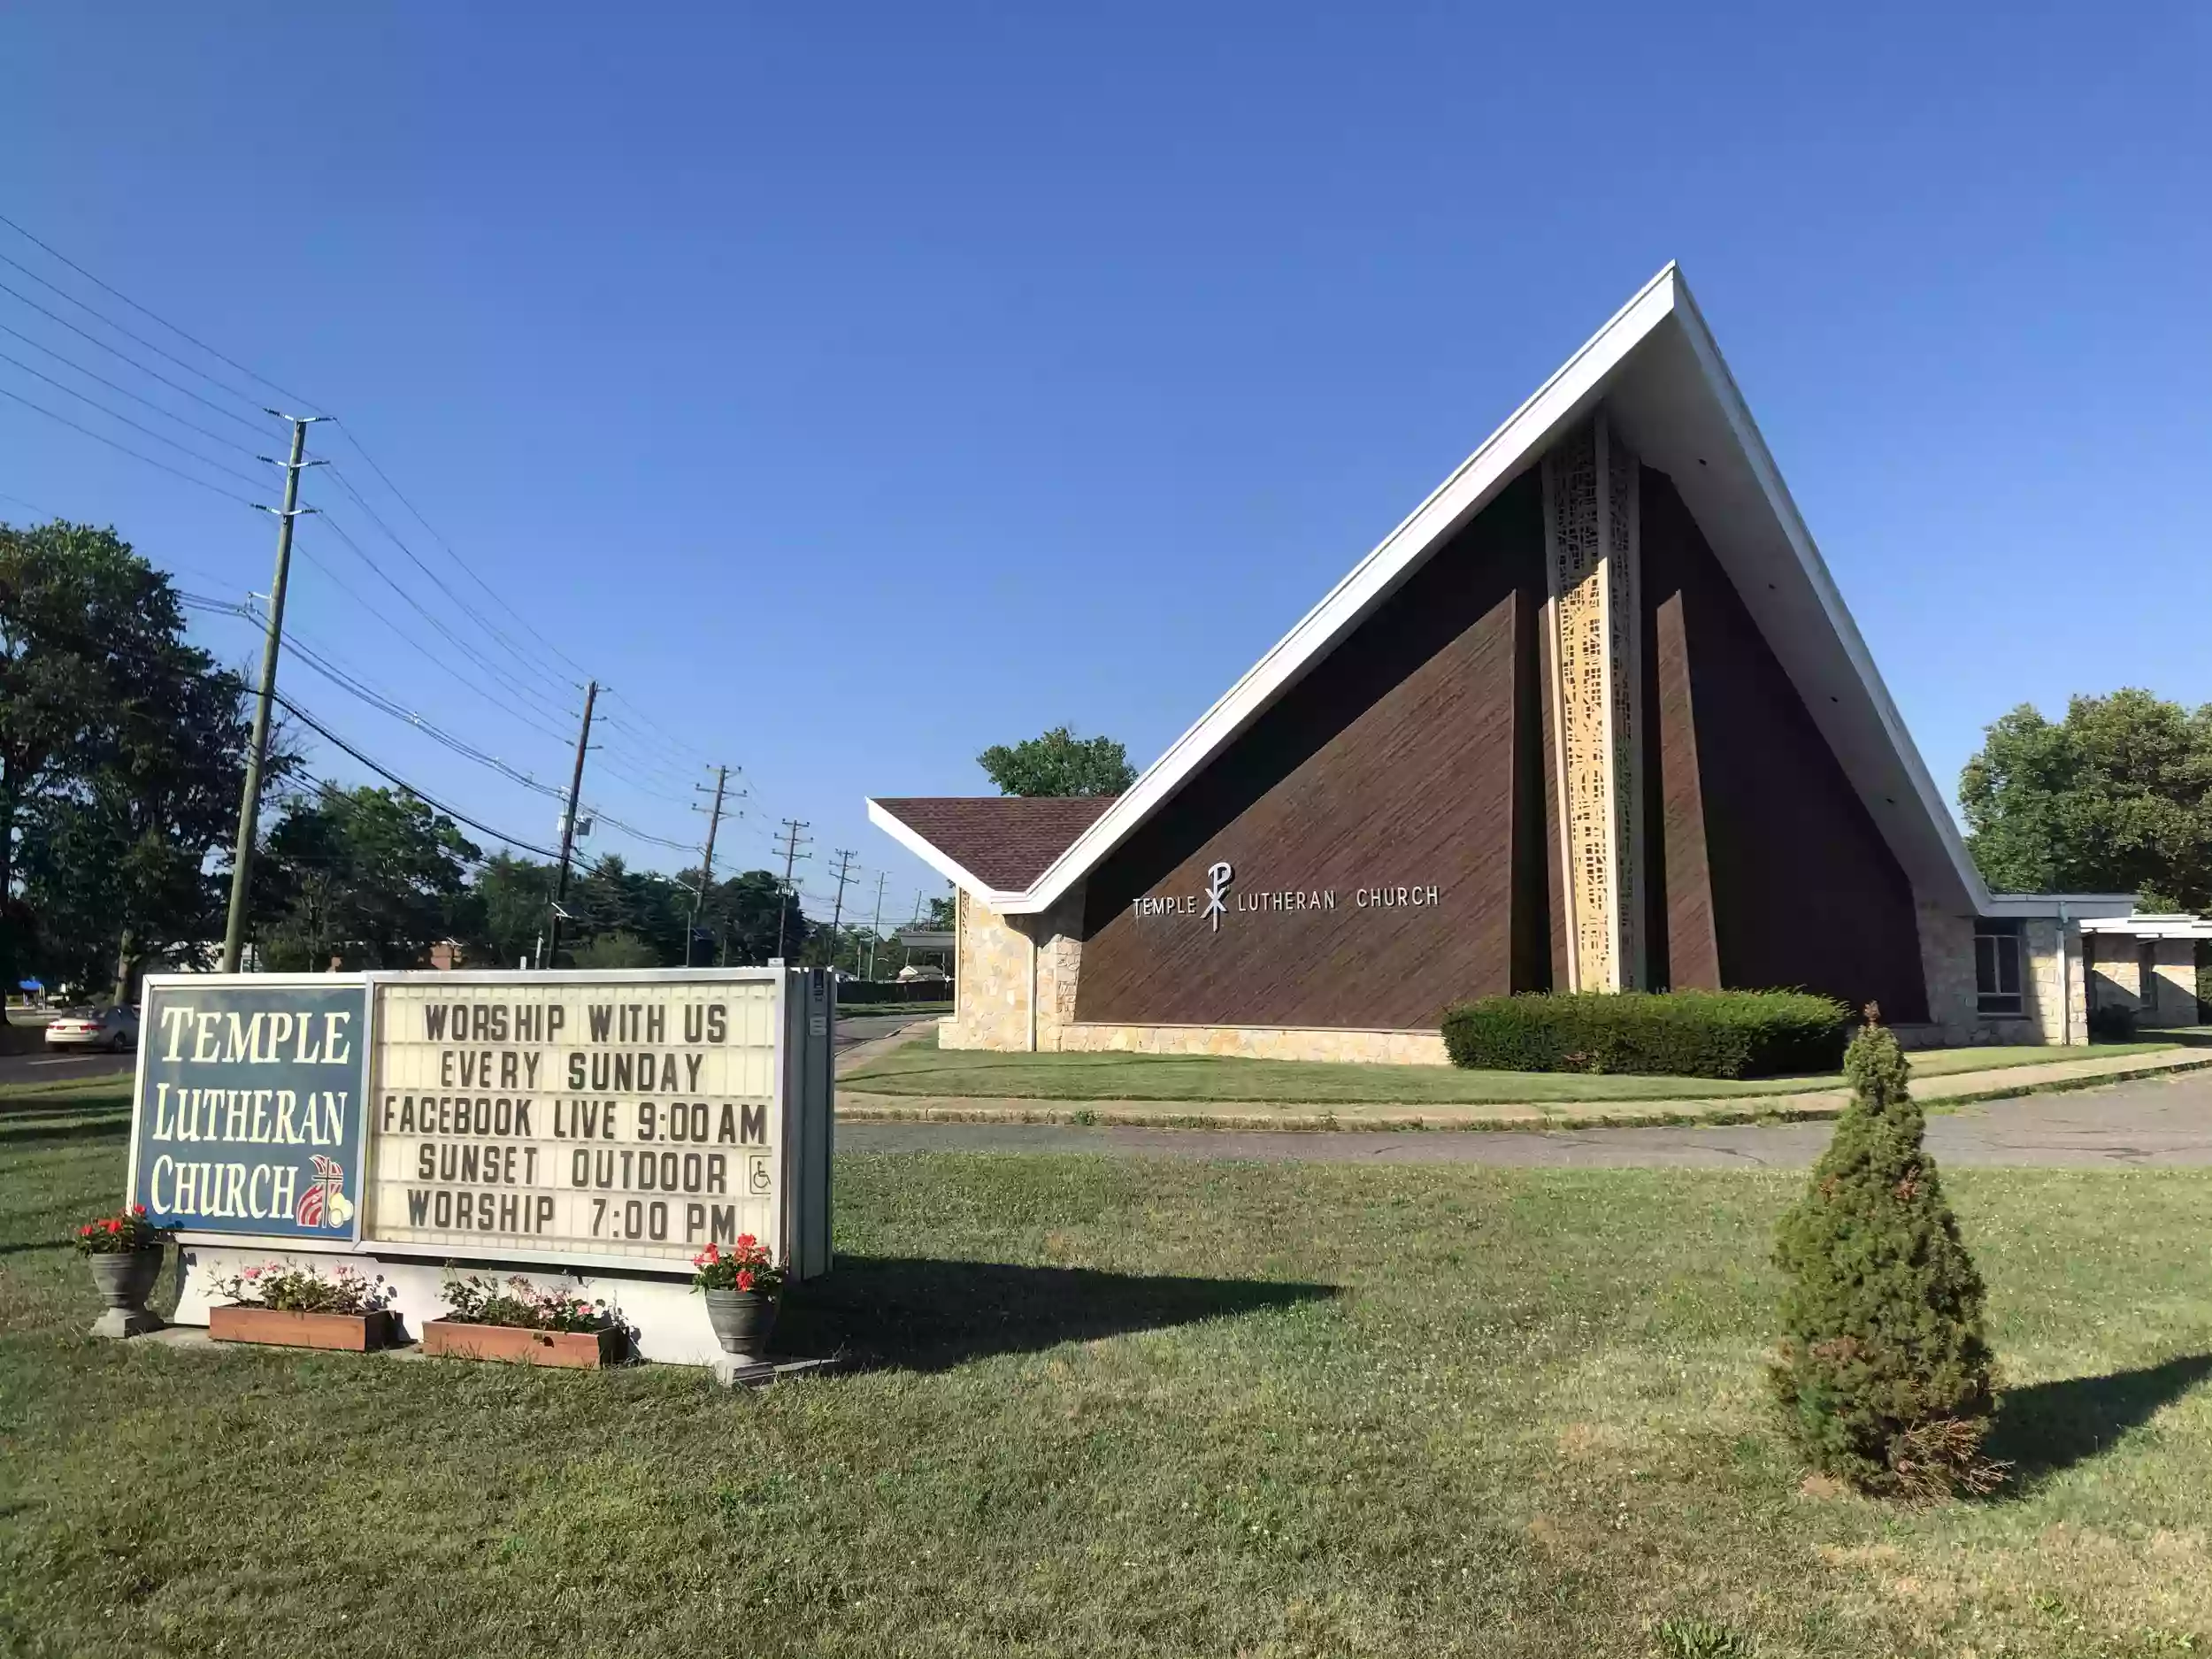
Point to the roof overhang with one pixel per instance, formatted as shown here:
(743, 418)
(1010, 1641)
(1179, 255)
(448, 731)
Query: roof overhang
(2153, 926)
(1660, 377)
(2086, 908)
(937, 859)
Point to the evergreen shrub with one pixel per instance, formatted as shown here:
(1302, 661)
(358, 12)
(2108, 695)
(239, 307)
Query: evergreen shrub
(1885, 1377)
(1668, 1033)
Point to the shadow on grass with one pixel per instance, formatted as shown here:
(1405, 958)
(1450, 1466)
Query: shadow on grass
(919, 1314)
(23, 1245)
(2048, 1428)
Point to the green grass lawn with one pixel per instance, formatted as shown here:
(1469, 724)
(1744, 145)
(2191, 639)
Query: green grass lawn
(1114, 1407)
(921, 1068)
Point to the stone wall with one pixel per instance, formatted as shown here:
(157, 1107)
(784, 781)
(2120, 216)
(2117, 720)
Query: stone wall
(2174, 986)
(1954, 1015)
(2048, 978)
(1946, 961)
(992, 980)
(1259, 1042)
(1003, 961)
(1059, 932)
(2116, 981)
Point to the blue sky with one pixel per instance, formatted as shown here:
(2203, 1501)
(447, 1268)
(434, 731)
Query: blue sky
(853, 390)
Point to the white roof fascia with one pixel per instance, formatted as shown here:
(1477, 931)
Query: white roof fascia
(935, 858)
(1837, 615)
(2086, 908)
(1552, 407)
(2151, 927)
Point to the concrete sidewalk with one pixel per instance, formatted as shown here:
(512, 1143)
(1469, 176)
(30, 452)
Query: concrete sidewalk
(858, 1106)
(2160, 1122)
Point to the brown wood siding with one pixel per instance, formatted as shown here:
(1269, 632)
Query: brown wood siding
(1684, 899)
(1804, 889)
(1557, 926)
(1401, 760)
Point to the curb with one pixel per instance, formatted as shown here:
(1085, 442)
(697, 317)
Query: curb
(1774, 1108)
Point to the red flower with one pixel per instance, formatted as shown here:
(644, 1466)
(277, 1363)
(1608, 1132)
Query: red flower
(744, 1279)
(745, 1241)
(138, 1209)
(114, 1225)
(85, 1232)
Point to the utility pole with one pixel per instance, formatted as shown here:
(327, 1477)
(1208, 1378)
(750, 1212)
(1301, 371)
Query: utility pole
(875, 928)
(845, 855)
(568, 829)
(258, 749)
(791, 841)
(706, 863)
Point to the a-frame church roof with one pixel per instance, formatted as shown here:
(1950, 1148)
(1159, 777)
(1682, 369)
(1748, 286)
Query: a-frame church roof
(1668, 391)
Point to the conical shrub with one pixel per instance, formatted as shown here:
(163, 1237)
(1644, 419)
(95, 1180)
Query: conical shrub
(1885, 1376)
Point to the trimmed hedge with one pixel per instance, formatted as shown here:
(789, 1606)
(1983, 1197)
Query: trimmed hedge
(1667, 1034)
(890, 993)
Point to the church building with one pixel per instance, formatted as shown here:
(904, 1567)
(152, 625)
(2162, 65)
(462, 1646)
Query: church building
(1593, 717)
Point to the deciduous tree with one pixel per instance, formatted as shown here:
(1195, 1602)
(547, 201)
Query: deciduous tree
(2114, 798)
(1058, 763)
(121, 751)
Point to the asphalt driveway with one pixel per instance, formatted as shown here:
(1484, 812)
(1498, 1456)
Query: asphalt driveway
(2154, 1123)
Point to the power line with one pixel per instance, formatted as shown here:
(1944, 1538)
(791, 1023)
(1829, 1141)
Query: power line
(82, 397)
(90, 311)
(497, 597)
(518, 714)
(117, 386)
(351, 683)
(389, 776)
(420, 609)
(142, 311)
(117, 351)
(229, 495)
(437, 581)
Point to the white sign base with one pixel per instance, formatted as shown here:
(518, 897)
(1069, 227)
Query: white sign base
(668, 1318)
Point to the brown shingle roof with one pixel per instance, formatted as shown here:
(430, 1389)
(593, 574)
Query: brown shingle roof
(1006, 840)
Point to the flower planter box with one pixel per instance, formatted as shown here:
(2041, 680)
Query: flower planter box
(351, 1333)
(581, 1351)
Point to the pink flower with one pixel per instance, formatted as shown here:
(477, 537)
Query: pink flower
(253, 1272)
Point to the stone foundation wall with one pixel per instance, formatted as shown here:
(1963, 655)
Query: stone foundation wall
(992, 980)
(1260, 1042)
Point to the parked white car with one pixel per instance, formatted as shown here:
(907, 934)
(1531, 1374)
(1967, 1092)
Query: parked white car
(113, 1029)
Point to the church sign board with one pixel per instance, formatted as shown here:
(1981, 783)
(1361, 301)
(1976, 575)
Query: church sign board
(554, 1120)
(247, 1115)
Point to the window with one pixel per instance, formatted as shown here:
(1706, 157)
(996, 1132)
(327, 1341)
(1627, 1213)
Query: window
(1997, 967)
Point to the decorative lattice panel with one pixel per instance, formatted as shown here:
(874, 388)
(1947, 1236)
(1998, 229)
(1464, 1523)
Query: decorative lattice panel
(1591, 549)
(1575, 547)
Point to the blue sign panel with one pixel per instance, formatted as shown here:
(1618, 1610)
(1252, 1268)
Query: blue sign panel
(249, 1114)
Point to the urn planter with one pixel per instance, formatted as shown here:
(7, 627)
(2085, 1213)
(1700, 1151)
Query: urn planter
(349, 1332)
(742, 1321)
(124, 1278)
(580, 1350)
